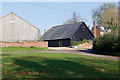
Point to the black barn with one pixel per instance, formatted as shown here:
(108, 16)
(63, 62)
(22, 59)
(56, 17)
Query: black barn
(62, 35)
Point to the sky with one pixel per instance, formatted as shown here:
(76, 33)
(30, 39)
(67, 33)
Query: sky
(45, 15)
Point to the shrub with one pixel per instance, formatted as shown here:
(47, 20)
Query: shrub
(108, 44)
(75, 43)
(85, 41)
(32, 47)
(116, 47)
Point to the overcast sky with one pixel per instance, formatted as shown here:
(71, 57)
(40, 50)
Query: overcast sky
(44, 15)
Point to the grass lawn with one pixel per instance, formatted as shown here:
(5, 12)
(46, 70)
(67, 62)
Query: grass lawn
(53, 65)
(22, 49)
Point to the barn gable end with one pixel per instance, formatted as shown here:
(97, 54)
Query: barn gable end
(82, 32)
(14, 28)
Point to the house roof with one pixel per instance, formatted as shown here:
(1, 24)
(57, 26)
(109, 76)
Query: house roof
(99, 28)
(103, 28)
(62, 31)
(19, 18)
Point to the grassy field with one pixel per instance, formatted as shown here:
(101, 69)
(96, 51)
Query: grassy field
(53, 65)
(22, 49)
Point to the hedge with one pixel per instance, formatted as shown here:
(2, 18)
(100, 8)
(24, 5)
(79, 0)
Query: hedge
(108, 44)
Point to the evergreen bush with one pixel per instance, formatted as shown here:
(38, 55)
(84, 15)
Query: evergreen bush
(32, 47)
(108, 44)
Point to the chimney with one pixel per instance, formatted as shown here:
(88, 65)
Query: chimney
(94, 25)
(89, 27)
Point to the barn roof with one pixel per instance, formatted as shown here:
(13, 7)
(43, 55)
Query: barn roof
(62, 31)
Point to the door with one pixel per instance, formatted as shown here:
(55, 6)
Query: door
(60, 43)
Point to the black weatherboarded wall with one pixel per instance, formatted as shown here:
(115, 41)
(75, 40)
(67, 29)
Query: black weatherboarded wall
(62, 35)
(59, 43)
(81, 33)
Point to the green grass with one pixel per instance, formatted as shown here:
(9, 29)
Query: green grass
(57, 65)
(0, 49)
(22, 49)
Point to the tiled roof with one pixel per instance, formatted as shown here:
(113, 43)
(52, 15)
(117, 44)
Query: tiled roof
(62, 31)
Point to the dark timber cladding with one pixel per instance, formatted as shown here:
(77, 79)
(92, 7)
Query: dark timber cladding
(62, 35)
(59, 43)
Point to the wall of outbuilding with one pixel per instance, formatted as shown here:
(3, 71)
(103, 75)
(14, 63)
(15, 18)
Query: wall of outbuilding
(53, 43)
(13, 28)
(59, 43)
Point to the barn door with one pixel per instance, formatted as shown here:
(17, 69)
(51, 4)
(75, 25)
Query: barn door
(60, 43)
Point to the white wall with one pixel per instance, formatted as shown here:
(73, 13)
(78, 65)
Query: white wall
(13, 28)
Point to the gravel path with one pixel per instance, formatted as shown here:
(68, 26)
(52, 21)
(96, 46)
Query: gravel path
(82, 52)
(86, 52)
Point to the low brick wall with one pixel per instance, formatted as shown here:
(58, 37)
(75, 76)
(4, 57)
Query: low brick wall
(85, 45)
(24, 44)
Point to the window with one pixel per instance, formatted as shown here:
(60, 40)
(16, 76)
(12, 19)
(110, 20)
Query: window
(82, 30)
(12, 21)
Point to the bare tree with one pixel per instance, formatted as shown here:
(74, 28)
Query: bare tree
(75, 18)
(105, 13)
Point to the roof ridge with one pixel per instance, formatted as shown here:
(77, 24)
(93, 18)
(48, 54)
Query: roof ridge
(6, 15)
(67, 24)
